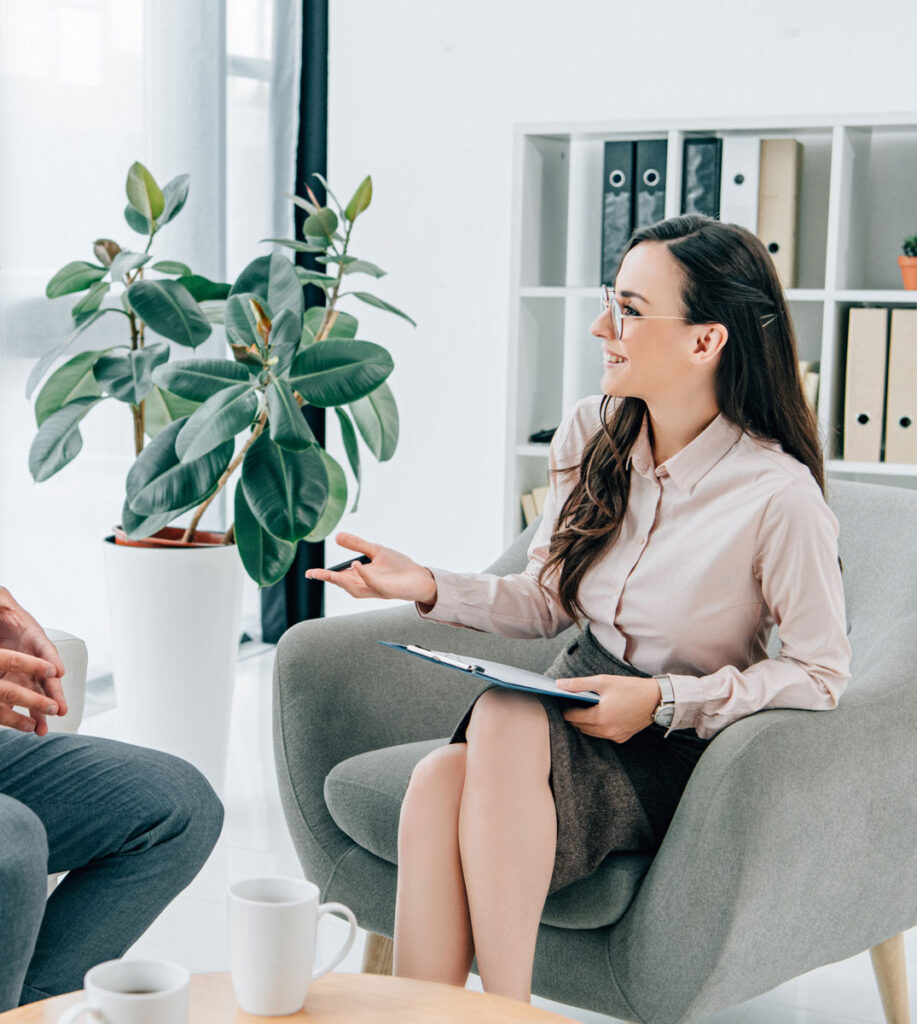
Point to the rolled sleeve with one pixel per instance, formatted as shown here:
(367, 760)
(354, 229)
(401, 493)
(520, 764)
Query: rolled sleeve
(801, 584)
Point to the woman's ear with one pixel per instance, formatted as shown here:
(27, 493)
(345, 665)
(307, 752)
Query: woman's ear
(710, 341)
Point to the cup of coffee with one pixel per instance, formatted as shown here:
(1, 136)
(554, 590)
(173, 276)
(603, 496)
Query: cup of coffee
(272, 931)
(134, 992)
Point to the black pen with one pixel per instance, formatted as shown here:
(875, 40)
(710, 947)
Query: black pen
(342, 566)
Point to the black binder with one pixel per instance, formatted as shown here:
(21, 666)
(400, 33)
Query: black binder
(700, 176)
(617, 206)
(649, 181)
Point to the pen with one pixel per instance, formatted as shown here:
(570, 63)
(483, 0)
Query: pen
(342, 566)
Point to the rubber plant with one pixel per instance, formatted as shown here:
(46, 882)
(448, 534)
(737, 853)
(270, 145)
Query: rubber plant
(189, 414)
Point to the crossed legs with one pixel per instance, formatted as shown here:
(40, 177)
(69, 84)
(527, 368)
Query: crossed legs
(476, 845)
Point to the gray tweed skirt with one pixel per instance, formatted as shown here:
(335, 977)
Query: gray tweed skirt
(609, 797)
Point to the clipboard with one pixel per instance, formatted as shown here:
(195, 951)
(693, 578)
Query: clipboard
(495, 672)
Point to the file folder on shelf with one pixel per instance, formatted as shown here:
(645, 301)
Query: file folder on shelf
(901, 420)
(617, 206)
(778, 203)
(496, 672)
(649, 182)
(739, 191)
(700, 176)
(864, 395)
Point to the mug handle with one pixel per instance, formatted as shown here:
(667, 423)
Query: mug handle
(70, 1015)
(326, 908)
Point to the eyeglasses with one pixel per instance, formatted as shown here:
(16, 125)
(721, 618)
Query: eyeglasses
(617, 314)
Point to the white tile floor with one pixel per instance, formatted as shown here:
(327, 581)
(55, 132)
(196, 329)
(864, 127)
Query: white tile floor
(193, 929)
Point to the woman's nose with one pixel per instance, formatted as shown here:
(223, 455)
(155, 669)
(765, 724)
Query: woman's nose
(603, 326)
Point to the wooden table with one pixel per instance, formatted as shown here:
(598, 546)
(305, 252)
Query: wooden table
(334, 999)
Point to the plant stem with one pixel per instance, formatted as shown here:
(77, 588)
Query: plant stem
(136, 410)
(330, 313)
(230, 469)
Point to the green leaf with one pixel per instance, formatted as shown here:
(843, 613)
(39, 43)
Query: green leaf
(137, 527)
(41, 367)
(174, 267)
(143, 193)
(58, 440)
(158, 482)
(285, 490)
(286, 334)
(313, 277)
(174, 196)
(127, 260)
(349, 437)
(91, 301)
(136, 221)
(364, 267)
(377, 419)
(372, 300)
(337, 500)
(361, 199)
(336, 372)
(241, 321)
(303, 204)
(128, 376)
(320, 227)
(75, 277)
(161, 407)
(345, 326)
(272, 279)
(217, 421)
(327, 189)
(202, 289)
(298, 246)
(266, 558)
(169, 310)
(289, 428)
(73, 380)
(198, 379)
(336, 259)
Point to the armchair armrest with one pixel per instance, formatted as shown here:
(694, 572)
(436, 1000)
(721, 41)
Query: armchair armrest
(792, 847)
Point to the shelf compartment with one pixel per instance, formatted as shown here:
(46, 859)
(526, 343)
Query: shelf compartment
(540, 367)
(543, 210)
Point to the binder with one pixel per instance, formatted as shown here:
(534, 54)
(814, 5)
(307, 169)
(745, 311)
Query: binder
(617, 206)
(778, 203)
(539, 496)
(495, 672)
(864, 395)
(901, 420)
(700, 176)
(740, 180)
(529, 512)
(649, 181)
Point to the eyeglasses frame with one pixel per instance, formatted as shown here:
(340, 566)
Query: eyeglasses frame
(610, 302)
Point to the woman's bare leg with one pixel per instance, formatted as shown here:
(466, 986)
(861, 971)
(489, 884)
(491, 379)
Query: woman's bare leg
(432, 926)
(507, 836)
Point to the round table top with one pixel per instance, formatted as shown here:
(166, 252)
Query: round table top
(334, 999)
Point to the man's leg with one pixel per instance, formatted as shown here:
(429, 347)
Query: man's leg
(23, 887)
(132, 827)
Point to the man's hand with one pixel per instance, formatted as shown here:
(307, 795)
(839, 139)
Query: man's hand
(30, 670)
(625, 707)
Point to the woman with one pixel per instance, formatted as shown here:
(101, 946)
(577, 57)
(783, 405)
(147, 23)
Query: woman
(685, 517)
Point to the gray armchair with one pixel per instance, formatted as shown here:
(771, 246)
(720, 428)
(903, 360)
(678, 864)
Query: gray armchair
(793, 845)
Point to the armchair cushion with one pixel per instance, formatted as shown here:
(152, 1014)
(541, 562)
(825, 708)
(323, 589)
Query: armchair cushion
(364, 795)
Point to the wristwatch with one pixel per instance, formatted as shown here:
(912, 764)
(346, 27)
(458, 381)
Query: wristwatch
(665, 711)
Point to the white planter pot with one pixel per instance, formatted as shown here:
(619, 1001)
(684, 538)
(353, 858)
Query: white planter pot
(175, 620)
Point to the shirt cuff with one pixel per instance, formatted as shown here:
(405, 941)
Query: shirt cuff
(689, 700)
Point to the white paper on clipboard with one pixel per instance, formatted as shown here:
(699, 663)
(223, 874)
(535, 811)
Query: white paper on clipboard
(496, 672)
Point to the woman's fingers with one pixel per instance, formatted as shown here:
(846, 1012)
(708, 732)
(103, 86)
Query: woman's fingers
(16, 661)
(355, 543)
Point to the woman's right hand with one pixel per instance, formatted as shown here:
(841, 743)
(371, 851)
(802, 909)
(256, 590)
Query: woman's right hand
(390, 574)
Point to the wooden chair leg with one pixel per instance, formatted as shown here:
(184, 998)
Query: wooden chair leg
(377, 955)
(890, 968)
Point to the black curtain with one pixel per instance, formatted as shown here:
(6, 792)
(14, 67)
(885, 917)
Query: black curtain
(295, 598)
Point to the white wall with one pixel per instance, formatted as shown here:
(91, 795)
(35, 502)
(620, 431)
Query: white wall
(424, 96)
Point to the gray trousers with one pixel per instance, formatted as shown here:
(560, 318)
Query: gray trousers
(132, 827)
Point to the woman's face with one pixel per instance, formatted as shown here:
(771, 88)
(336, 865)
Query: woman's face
(648, 285)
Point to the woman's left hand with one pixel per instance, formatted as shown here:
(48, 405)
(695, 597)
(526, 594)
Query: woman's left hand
(625, 707)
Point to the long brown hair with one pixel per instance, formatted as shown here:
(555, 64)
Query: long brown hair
(729, 278)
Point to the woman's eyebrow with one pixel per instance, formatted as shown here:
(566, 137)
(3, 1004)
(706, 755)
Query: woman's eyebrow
(632, 295)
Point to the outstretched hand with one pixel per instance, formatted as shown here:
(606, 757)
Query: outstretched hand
(30, 670)
(390, 574)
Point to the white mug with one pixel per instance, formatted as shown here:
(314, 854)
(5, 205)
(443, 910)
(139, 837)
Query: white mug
(272, 930)
(134, 992)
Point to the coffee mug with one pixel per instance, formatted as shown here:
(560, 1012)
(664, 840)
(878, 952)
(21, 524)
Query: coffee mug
(134, 992)
(272, 930)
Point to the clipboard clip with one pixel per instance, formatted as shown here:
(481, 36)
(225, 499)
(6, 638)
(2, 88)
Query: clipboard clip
(446, 659)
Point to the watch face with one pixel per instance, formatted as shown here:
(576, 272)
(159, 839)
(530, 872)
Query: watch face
(665, 715)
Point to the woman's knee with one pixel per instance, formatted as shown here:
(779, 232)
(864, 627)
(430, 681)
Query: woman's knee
(434, 789)
(23, 858)
(500, 717)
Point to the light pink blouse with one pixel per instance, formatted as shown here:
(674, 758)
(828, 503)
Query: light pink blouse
(719, 543)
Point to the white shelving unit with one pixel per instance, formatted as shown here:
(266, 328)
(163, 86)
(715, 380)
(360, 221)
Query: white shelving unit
(857, 204)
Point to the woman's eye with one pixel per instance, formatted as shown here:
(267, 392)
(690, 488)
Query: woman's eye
(633, 312)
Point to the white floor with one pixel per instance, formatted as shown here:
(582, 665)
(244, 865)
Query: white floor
(193, 929)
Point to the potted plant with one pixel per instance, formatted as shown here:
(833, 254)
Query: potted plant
(908, 263)
(175, 593)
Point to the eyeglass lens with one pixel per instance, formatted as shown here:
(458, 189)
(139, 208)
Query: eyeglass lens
(617, 315)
